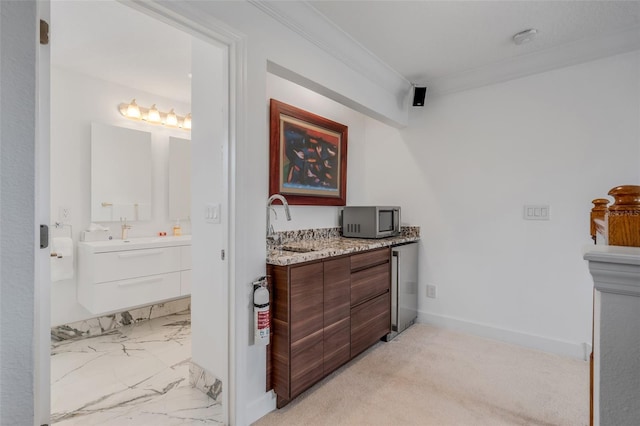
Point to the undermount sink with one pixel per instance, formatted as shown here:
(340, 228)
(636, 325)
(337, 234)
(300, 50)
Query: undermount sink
(298, 249)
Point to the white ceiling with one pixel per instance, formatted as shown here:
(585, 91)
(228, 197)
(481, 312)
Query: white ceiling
(430, 40)
(446, 45)
(116, 43)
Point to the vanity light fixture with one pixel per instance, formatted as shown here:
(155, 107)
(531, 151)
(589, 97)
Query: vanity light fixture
(133, 110)
(172, 119)
(152, 115)
(186, 123)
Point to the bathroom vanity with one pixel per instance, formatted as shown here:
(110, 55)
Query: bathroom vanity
(121, 274)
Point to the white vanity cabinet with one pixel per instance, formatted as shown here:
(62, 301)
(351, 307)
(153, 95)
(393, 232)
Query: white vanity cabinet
(116, 275)
(185, 273)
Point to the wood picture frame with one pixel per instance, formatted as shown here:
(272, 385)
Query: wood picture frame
(307, 157)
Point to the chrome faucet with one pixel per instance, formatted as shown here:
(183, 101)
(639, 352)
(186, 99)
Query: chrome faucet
(270, 233)
(125, 227)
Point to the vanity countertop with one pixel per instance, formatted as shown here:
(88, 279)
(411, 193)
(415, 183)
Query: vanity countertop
(328, 247)
(137, 243)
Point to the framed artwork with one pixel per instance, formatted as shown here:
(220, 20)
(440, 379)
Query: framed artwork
(307, 157)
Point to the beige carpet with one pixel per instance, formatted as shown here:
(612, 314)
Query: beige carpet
(431, 376)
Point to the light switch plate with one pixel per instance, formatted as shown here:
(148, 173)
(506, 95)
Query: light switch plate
(536, 212)
(212, 213)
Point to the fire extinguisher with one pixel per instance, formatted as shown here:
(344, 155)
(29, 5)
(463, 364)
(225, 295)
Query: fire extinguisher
(261, 320)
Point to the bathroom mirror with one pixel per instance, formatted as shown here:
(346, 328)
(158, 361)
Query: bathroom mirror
(179, 178)
(120, 174)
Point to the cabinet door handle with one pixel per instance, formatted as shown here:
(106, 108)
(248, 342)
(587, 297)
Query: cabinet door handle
(140, 281)
(141, 253)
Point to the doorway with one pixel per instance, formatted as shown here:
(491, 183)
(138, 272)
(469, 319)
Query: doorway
(115, 55)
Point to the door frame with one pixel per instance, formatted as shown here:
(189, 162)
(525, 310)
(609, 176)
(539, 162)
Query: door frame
(42, 267)
(184, 18)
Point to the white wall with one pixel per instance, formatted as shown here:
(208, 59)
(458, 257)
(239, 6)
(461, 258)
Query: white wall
(18, 113)
(467, 164)
(266, 40)
(616, 369)
(76, 101)
(209, 287)
(436, 144)
(306, 217)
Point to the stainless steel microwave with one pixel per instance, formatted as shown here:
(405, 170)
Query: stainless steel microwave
(370, 221)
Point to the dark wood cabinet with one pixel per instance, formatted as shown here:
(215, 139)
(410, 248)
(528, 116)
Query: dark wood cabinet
(307, 308)
(305, 322)
(337, 276)
(370, 298)
(369, 322)
(323, 314)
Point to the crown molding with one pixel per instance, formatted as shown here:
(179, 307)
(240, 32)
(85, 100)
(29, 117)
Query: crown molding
(323, 33)
(188, 17)
(329, 37)
(537, 62)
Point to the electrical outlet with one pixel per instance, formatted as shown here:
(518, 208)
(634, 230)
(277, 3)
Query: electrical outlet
(432, 291)
(64, 214)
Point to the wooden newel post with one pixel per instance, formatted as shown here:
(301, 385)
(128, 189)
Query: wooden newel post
(598, 211)
(623, 216)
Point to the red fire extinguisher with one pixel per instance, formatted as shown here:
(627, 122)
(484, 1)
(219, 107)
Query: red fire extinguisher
(261, 312)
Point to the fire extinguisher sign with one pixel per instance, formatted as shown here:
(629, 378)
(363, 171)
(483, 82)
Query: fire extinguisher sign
(263, 323)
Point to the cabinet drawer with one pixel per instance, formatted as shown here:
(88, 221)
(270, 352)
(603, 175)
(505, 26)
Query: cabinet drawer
(369, 283)
(306, 363)
(124, 294)
(369, 322)
(119, 265)
(369, 258)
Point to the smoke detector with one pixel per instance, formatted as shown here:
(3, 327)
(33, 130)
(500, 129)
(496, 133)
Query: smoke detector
(525, 36)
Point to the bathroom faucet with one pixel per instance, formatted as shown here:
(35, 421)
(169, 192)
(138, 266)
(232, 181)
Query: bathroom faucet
(270, 233)
(124, 227)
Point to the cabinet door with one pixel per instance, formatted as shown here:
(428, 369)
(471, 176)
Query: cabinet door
(307, 306)
(306, 316)
(337, 345)
(337, 279)
(337, 310)
(306, 363)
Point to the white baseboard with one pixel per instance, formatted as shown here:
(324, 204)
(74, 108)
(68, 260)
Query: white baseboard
(546, 344)
(261, 407)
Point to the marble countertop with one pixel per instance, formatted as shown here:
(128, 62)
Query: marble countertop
(328, 247)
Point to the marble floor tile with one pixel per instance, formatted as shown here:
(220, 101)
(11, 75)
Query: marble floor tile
(134, 375)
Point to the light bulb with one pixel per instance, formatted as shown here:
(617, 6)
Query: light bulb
(186, 123)
(154, 115)
(133, 111)
(172, 119)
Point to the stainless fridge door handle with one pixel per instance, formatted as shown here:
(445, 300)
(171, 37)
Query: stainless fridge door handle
(394, 291)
